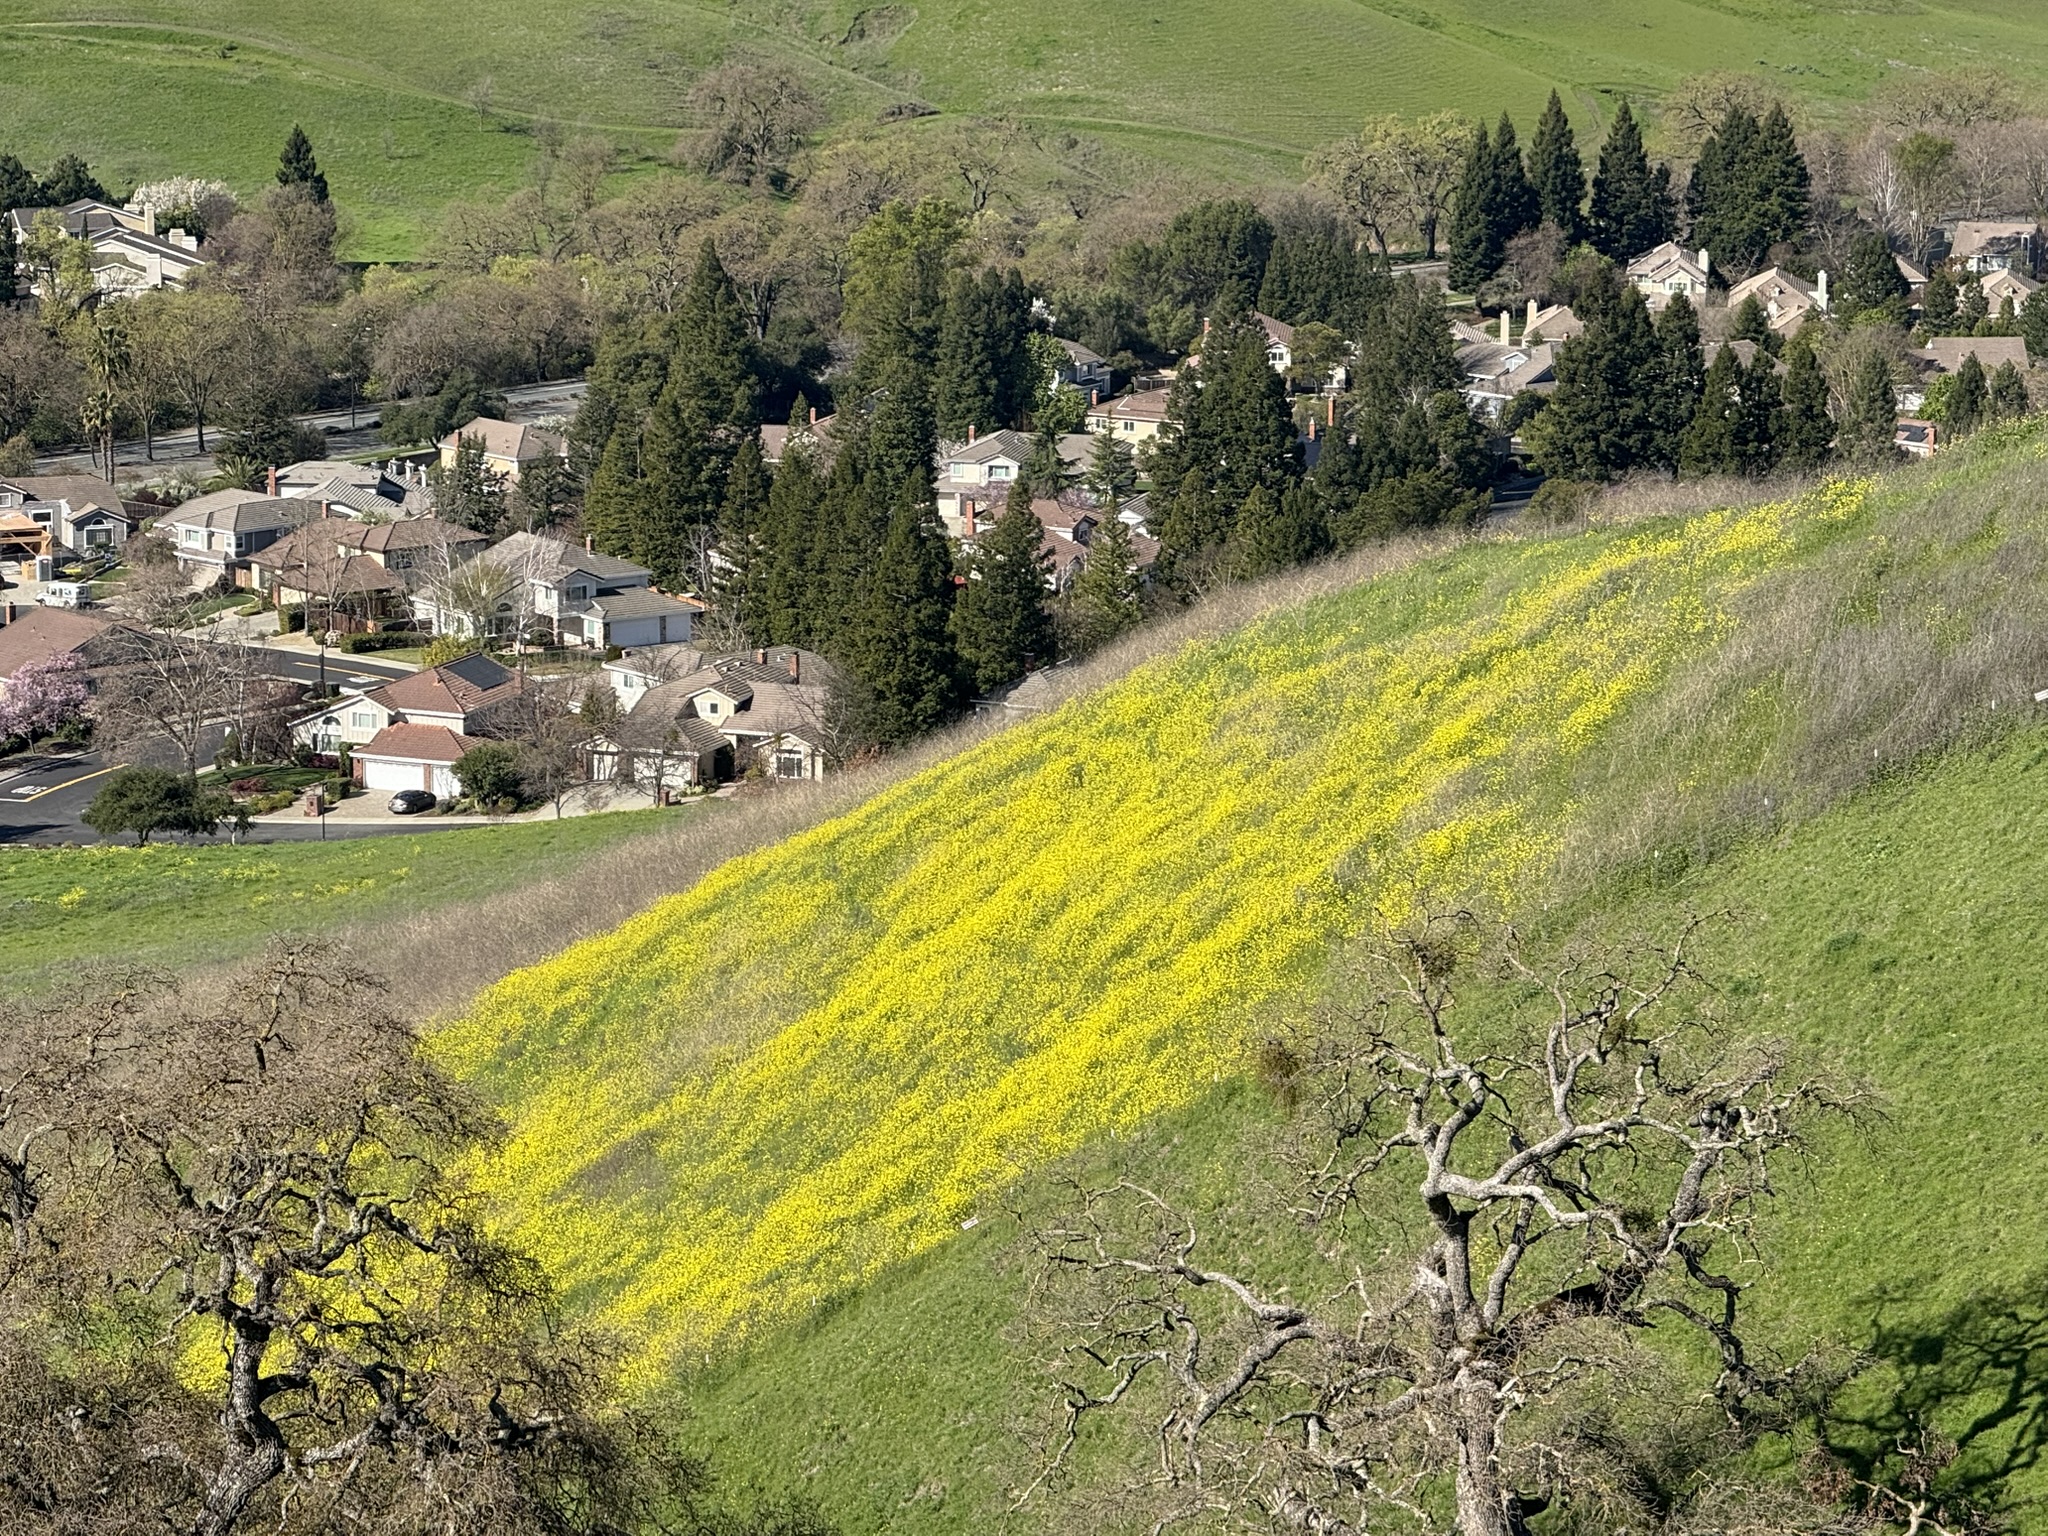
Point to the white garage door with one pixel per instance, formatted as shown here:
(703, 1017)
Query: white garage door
(386, 775)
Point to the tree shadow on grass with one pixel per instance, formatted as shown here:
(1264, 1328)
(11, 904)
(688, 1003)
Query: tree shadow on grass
(1952, 1408)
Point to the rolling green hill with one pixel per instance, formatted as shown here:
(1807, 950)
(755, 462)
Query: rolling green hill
(210, 87)
(766, 1128)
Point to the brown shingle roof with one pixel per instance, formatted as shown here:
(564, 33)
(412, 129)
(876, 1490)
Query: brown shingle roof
(507, 440)
(419, 743)
(454, 688)
(44, 632)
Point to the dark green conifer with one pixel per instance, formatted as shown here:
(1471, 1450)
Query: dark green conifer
(297, 167)
(1002, 625)
(1557, 172)
(1631, 210)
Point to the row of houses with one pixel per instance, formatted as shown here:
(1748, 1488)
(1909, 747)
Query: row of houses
(129, 253)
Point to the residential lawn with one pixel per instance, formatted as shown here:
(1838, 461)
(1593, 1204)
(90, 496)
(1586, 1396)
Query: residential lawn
(211, 87)
(277, 775)
(171, 903)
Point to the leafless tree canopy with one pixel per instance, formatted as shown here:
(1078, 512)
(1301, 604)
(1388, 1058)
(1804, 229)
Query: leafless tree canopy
(239, 1292)
(1507, 1213)
(754, 117)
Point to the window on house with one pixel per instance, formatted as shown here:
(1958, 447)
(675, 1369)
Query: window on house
(190, 535)
(362, 719)
(789, 764)
(579, 594)
(999, 471)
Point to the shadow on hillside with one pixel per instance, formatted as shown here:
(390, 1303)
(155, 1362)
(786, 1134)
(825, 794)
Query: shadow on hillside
(1954, 1405)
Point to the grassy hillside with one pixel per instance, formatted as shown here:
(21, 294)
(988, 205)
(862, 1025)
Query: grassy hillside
(210, 87)
(765, 1128)
(170, 903)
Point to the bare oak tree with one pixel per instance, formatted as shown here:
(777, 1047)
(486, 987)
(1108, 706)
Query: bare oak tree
(1540, 1197)
(241, 1292)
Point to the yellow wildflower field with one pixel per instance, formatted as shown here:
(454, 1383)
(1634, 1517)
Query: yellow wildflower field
(828, 1055)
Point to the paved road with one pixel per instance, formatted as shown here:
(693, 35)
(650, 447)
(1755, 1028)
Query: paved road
(349, 434)
(343, 670)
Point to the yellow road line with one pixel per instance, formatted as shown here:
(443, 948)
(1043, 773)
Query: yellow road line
(24, 800)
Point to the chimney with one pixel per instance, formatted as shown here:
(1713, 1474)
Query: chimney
(760, 658)
(273, 482)
(1311, 429)
(970, 432)
(1823, 289)
(795, 671)
(1530, 324)
(1333, 410)
(1095, 397)
(1506, 334)
(814, 415)
(1706, 263)
(589, 543)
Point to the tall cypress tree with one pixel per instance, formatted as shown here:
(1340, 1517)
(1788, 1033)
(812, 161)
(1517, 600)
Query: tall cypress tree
(1757, 416)
(704, 412)
(1868, 430)
(983, 376)
(1001, 624)
(1234, 432)
(2009, 398)
(792, 589)
(10, 258)
(741, 589)
(1276, 533)
(1710, 443)
(1678, 378)
(1805, 431)
(611, 507)
(1104, 601)
(296, 167)
(1477, 249)
(1557, 172)
(1631, 210)
(1783, 182)
(904, 647)
(1517, 207)
(1969, 401)
(1601, 422)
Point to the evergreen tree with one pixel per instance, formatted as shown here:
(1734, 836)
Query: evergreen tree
(704, 413)
(70, 180)
(1601, 422)
(1973, 308)
(1784, 184)
(1213, 257)
(1318, 275)
(1750, 189)
(10, 258)
(296, 167)
(18, 185)
(792, 592)
(1517, 207)
(1001, 624)
(1477, 247)
(1233, 431)
(1276, 533)
(1631, 210)
(1757, 416)
(1044, 471)
(2009, 399)
(1678, 378)
(1112, 473)
(1104, 600)
(899, 443)
(1871, 280)
(611, 507)
(1752, 322)
(1938, 301)
(898, 266)
(903, 651)
(1710, 443)
(740, 591)
(1868, 430)
(984, 376)
(1805, 430)
(1969, 401)
(1557, 172)
(2034, 323)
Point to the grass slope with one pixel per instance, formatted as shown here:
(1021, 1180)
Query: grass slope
(171, 903)
(210, 87)
(755, 1126)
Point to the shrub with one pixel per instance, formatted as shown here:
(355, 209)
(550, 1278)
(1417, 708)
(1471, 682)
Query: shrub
(489, 774)
(1558, 502)
(387, 640)
(443, 649)
(254, 786)
(150, 800)
(291, 618)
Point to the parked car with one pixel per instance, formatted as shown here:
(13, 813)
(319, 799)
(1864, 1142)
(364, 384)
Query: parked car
(410, 802)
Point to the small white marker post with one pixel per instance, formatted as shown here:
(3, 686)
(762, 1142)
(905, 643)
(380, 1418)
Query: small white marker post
(2041, 697)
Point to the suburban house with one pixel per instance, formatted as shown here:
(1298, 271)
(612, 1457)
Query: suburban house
(1745, 354)
(30, 634)
(1085, 370)
(815, 433)
(215, 534)
(1279, 341)
(1671, 271)
(1945, 354)
(78, 512)
(1554, 323)
(973, 482)
(1132, 419)
(1786, 297)
(1914, 274)
(1495, 373)
(1996, 245)
(392, 490)
(129, 253)
(536, 583)
(1068, 526)
(412, 757)
(470, 697)
(2007, 285)
(765, 710)
(1916, 439)
(508, 448)
(338, 588)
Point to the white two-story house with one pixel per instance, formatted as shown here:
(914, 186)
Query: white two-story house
(534, 583)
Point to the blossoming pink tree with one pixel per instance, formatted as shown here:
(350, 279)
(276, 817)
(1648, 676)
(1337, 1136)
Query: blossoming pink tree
(43, 697)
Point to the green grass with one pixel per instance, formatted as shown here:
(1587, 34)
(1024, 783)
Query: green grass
(177, 905)
(210, 87)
